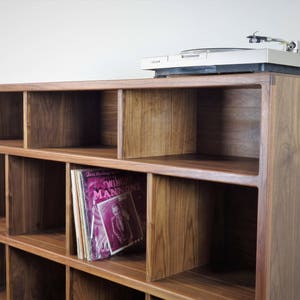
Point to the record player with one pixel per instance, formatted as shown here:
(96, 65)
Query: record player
(229, 60)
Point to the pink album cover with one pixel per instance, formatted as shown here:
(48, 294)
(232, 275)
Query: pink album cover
(103, 184)
(121, 222)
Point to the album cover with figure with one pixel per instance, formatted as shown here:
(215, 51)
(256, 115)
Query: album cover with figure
(121, 222)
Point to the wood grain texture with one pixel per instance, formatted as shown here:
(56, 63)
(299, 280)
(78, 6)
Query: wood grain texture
(219, 121)
(68, 282)
(26, 114)
(2, 186)
(229, 121)
(120, 124)
(36, 197)
(7, 214)
(8, 271)
(284, 189)
(54, 242)
(12, 143)
(264, 202)
(215, 168)
(202, 286)
(243, 278)
(32, 277)
(129, 270)
(62, 119)
(175, 82)
(108, 118)
(85, 286)
(159, 122)
(229, 164)
(179, 225)
(251, 115)
(11, 116)
(2, 268)
(105, 152)
(2, 225)
(217, 221)
(224, 169)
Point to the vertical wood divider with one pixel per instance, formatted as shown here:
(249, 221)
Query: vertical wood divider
(8, 272)
(179, 225)
(68, 283)
(2, 186)
(263, 218)
(151, 297)
(7, 193)
(26, 117)
(149, 225)
(70, 234)
(283, 189)
(120, 125)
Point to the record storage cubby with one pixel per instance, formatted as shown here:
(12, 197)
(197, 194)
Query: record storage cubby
(220, 159)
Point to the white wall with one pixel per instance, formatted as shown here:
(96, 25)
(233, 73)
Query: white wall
(55, 40)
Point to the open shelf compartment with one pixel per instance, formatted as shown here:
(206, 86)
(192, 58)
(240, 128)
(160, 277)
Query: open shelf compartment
(101, 188)
(210, 228)
(11, 118)
(220, 125)
(90, 287)
(36, 204)
(2, 271)
(69, 119)
(2, 228)
(33, 277)
(2, 189)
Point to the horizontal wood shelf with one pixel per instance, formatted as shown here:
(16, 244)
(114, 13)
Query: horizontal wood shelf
(95, 152)
(194, 285)
(184, 81)
(130, 269)
(220, 169)
(11, 143)
(242, 278)
(51, 243)
(224, 169)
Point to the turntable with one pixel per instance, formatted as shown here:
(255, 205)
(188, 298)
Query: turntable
(229, 60)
